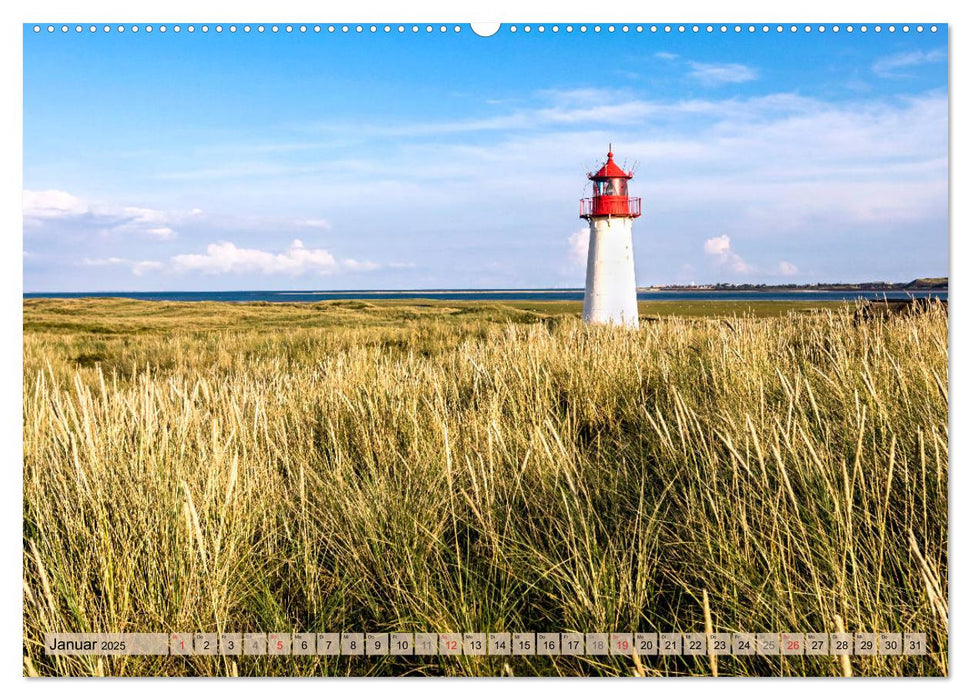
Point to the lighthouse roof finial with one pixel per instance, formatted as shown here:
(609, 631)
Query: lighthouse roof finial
(610, 169)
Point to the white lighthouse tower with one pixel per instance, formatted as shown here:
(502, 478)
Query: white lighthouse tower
(611, 292)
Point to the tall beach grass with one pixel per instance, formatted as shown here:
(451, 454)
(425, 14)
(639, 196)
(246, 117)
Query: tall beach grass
(445, 469)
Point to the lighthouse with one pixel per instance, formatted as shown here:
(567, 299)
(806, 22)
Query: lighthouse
(611, 292)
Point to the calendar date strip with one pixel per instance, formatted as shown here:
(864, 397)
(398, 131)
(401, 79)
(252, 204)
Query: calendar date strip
(371, 644)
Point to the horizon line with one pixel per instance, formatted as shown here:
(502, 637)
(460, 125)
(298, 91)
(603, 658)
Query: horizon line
(377, 290)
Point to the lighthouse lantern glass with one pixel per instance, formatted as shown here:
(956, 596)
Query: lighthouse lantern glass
(612, 187)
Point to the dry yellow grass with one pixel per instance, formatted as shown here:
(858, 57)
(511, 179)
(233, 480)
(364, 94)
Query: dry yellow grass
(439, 469)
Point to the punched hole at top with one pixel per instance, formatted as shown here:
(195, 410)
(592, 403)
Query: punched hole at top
(485, 28)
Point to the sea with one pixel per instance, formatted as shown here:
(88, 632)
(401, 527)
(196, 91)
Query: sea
(491, 295)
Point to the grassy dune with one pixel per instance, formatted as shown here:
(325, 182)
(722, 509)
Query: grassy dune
(404, 466)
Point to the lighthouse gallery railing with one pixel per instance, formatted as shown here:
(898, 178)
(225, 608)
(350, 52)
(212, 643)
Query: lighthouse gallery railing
(610, 206)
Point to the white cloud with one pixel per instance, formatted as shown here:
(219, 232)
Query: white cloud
(579, 243)
(798, 174)
(352, 265)
(321, 224)
(787, 168)
(139, 220)
(101, 262)
(778, 161)
(666, 55)
(720, 248)
(144, 265)
(713, 74)
(137, 267)
(787, 268)
(563, 107)
(686, 131)
(889, 66)
(51, 204)
(57, 209)
(225, 257)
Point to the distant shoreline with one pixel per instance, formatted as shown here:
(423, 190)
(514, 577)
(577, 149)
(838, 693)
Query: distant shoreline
(496, 296)
(921, 284)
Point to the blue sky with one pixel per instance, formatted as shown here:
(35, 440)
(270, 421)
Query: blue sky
(211, 161)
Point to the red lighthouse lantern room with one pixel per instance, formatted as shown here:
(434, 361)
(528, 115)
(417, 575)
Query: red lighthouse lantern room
(610, 193)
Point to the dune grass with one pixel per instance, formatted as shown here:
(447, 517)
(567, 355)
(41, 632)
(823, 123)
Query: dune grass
(481, 467)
